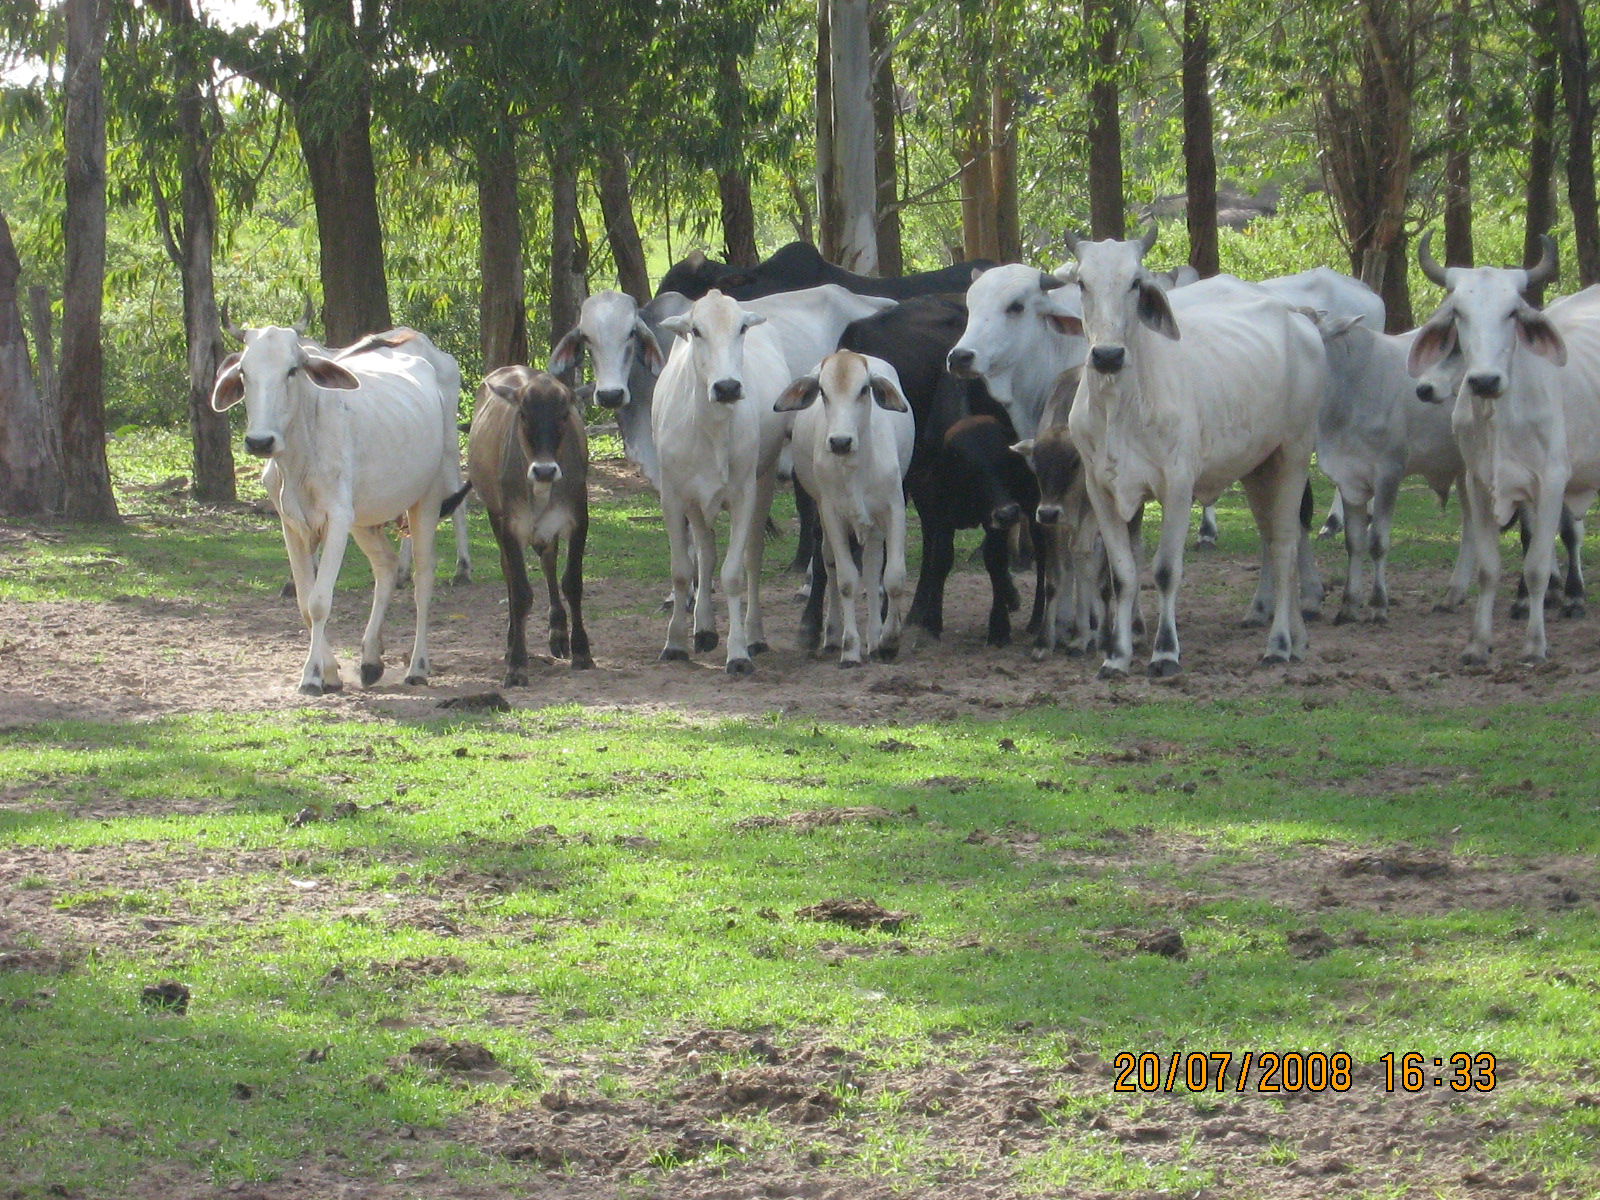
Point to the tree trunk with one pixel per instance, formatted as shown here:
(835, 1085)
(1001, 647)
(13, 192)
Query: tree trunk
(622, 232)
(30, 474)
(83, 416)
(44, 350)
(344, 189)
(850, 73)
(1541, 197)
(1199, 148)
(1576, 84)
(733, 180)
(971, 136)
(1458, 141)
(1103, 20)
(213, 479)
(568, 285)
(1003, 160)
(885, 108)
(502, 296)
(830, 221)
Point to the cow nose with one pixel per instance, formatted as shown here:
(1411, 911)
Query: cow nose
(841, 443)
(260, 444)
(960, 361)
(610, 397)
(1006, 515)
(727, 391)
(1485, 383)
(544, 472)
(1107, 359)
(1428, 394)
(1049, 514)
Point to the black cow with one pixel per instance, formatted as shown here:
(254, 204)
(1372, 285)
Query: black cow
(800, 265)
(950, 480)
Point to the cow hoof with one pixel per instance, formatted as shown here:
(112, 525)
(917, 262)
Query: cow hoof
(887, 652)
(516, 679)
(705, 639)
(1205, 543)
(371, 673)
(1519, 610)
(741, 666)
(417, 680)
(1574, 609)
(286, 592)
(1254, 621)
(461, 579)
(666, 605)
(1475, 658)
(1445, 606)
(560, 646)
(756, 648)
(1274, 658)
(1533, 660)
(311, 689)
(672, 654)
(582, 662)
(1311, 614)
(845, 663)
(1346, 616)
(1163, 668)
(1107, 671)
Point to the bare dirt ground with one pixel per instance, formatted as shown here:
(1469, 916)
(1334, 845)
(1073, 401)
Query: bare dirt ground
(680, 1103)
(141, 658)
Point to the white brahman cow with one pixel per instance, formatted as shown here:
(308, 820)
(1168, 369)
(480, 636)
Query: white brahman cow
(352, 445)
(718, 439)
(1176, 412)
(851, 452)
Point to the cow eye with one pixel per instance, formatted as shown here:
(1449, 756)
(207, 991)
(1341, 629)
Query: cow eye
(1014, 308)
(292, 370)
(694, 331)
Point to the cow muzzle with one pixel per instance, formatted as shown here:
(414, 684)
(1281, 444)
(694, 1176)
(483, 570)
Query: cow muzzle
(1428, 394)
(262, 445)
(962, 363)
(1006, 515)
(1486, 384)
(841, 443)
(727, 391)
(1048, 514)
(611, 397)
(544, 473)
(1108, 359)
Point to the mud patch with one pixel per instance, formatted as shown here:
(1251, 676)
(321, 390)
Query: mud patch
(817, 818)
(856, 913)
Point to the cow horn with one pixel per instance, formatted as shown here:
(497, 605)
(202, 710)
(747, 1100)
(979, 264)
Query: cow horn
(1425, 260)
(234, 331)
(1049, 282)
(1545, 269)
(304, 323)
(1071, 240)
(1148, 238)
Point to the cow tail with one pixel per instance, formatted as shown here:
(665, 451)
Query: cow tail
(771, 532)
(453, 501)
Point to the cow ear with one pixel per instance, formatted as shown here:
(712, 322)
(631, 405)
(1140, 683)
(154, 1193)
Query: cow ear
(799, 394)
(888, 395)
(752, 318)
(1536, 333)
(976, 271)
(565, 356)
(1066, 323)
(1330, 326)
(229, 388)
(1024, 448)
(326, 373)
(649, 347)
(1433, 343)
(678, 325)
(1154, 310)
(503, 390)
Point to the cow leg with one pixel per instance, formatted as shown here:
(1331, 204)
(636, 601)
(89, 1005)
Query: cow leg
(424, 519)
(1123, 571)
(872, 556)
(302, 551)
(938, 556)
(1466, 563)
(1003, 593)
(560, 644)
(1208, 526)
(1169, 577)
(672, 512)
(1485, 536)
(1546, 521)
(1572, 603)
(1355, 547)
(811, 615)
(1036, 535)
(380, 552)
(321, 673)
(846, 584)
(1379, 538)
(805, 509)
(1275, 492)
(744, 525)
(755, 551)
(894, 581)
(1519, 605)
(463, 547)
(1306, 560)
(832, 634)
(519, 598)
(402, 562)
(703, 535)
(1052, 558)
(572, 587)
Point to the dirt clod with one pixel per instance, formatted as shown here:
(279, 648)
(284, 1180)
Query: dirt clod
(454, 1056)
(169, 996)
(856, 913)
(1311, 942)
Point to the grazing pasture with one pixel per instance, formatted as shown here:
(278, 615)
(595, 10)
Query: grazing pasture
(647, 931)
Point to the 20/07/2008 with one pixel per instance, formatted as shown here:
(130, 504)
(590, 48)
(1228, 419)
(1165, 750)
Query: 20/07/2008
(1294, 1071)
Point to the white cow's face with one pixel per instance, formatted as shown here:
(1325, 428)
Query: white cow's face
(848, 388)
(1009, 310)
(1483, 321)
(715, 329)
(1118, 293)
(273, 376)
(610, 327)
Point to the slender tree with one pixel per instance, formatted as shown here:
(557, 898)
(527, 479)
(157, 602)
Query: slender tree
(733, 180)
(502, 296)
(885, 110)
(1458, 141)
(1577, 90)
(1199, 140)
(1104, 24)
(850, 96)
(83, 415)
(622, 231)
(30, 472)
(1541, 197)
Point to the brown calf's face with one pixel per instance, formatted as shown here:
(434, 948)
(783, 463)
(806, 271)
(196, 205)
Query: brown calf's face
(544, 422)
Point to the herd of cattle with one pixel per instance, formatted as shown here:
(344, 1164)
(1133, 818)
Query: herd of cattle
(992, 397)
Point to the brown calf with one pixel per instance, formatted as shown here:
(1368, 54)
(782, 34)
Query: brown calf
(528, 458)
